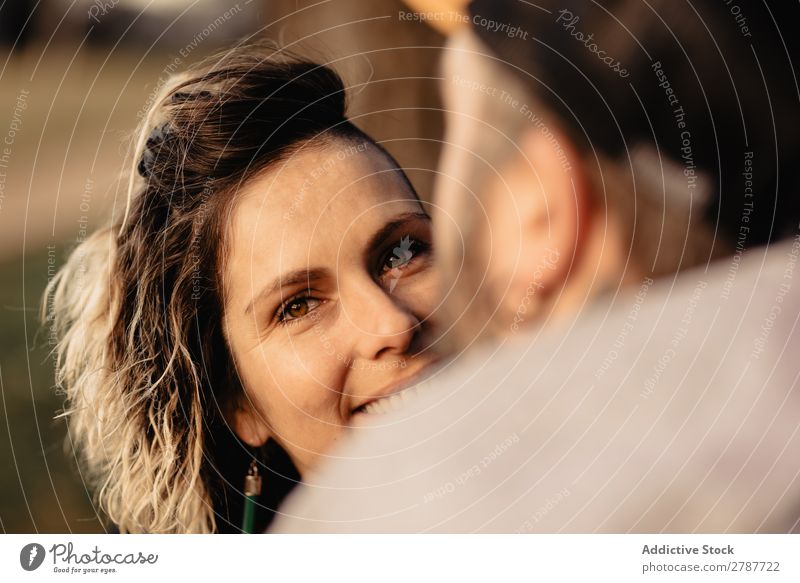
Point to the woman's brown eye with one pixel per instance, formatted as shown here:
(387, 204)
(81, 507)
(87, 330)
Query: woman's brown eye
(298, 308)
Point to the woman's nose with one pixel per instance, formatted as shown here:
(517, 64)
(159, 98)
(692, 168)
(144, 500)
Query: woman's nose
(381, 323)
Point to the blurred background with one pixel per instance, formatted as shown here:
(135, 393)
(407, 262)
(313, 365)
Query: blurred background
(76, 77)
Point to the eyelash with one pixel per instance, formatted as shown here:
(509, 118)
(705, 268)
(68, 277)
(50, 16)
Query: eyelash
(415, 246)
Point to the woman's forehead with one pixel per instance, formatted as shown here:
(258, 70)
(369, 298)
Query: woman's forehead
(324, 201)
(322, 178)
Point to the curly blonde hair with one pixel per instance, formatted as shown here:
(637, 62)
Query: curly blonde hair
(137, 309)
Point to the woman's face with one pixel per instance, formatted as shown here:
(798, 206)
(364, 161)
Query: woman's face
(330, 290)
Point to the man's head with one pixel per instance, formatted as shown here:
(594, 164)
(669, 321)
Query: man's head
(588, 148)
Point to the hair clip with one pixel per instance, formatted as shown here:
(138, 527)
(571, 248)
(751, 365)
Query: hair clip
(157, 136)
(181, 96)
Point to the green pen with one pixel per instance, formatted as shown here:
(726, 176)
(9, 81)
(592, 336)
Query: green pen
(252, 490)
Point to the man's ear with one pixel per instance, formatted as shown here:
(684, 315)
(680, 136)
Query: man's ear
(547, 217)
(248, 424)
(557, 210)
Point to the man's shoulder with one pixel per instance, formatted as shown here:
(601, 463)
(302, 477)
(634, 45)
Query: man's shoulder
(628, 417)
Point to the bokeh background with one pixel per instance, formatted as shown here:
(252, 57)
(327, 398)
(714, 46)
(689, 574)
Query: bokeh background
(75, 78)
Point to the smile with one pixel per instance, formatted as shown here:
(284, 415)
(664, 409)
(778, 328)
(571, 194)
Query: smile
(389, 403)
(398, 397)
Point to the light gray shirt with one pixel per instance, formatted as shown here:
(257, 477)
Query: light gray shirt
(672, 407)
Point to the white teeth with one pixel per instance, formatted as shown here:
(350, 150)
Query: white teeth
(393, 402)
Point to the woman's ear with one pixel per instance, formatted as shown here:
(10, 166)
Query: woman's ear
(249, 425)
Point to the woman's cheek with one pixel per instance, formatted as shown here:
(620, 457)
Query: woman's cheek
(309, 373)
(418, 291)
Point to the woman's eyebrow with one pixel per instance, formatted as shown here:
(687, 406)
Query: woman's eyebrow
(388, 230)
(293, 278)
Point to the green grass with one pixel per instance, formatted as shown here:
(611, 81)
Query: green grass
(41, 489)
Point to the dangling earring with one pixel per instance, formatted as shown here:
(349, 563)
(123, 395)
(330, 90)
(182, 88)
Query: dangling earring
(252, 490)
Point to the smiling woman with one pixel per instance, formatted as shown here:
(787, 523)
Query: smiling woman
(270, 282)
(338, 269)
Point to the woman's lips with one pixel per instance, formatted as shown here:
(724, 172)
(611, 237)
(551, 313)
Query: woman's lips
(389, 403)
